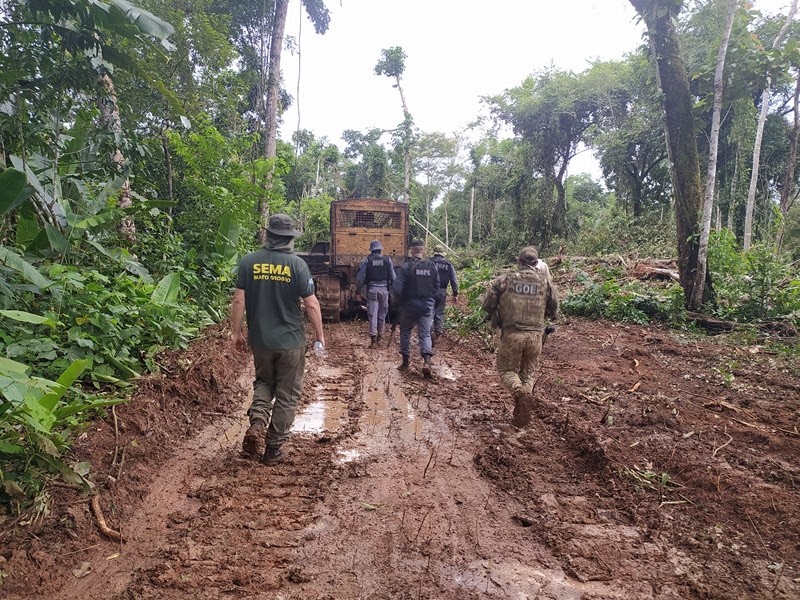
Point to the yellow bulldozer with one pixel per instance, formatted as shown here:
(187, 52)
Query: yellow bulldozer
(334, 264)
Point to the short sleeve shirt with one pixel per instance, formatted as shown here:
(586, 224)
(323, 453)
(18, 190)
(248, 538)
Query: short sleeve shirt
(273, 282)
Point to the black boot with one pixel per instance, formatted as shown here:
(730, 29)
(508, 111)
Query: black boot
(404, 366)
(254, 438)
(373, 341)
(523, 404)
(426, 367)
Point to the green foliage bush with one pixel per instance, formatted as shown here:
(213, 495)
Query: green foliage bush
(315, 218)
(110, 325)
(473, 280)
(611, 232)
(628, 302)
(758, 285)
(78, 300)
(37, 419)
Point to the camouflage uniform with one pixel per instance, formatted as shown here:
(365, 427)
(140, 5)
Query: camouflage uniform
(518, 304)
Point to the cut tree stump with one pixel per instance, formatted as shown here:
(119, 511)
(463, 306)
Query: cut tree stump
(711, 324)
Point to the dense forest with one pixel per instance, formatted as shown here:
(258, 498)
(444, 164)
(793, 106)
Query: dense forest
(140, 157)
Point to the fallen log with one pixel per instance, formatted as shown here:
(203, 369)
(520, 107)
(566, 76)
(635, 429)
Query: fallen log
(644, 271)
(711, 324)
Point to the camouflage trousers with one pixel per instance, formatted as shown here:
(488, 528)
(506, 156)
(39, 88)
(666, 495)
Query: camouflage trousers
(279, 378)
(518, 358)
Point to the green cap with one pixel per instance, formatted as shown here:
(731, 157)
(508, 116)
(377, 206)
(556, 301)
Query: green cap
(281, 224)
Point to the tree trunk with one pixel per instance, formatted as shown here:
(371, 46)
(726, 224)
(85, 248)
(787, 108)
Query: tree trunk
(427, 218)
(679, 126)
(762, 119)
(560, 214)
(168, 166)
(406, 144)
(637, 198)
(273, 91)
(274, 77)
(696, 301)
(110, 120)
(791, 164)
(732, 200)
(471, 214)
(446, 223)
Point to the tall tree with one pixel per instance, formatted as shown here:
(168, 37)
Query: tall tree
(660, 17)
(629, 135)
(433, 154)
(393, 64)
(696, 300)
(787, 190)
(762, 119)
(551, 114)
(91, 30)
(370, 177)
(320, 17)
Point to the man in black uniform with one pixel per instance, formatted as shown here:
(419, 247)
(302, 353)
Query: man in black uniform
(270, 283)
(376, 272)
(416, 288)
(447, 275)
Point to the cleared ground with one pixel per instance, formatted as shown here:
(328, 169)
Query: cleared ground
(658, 466)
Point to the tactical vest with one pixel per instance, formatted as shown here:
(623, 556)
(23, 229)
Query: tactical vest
(377, 269)
(443, 266)
(524, 300)
(420, 279)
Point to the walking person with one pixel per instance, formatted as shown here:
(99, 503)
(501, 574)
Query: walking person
(518, 304)
(269, 285)
(447, 276)
(415, 289)
(376, 272)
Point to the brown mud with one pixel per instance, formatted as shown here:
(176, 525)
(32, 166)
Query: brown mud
(657, 465)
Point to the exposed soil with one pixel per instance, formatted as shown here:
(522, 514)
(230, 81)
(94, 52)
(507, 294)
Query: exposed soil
(657, 466)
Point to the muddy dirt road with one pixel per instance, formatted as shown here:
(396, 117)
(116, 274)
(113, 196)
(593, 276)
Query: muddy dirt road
(658, 466)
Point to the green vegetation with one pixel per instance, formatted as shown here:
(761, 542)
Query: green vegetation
(631, 302)
(755, 286)
(469, 318)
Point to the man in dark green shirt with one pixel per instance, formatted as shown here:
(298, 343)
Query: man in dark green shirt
(269, 285)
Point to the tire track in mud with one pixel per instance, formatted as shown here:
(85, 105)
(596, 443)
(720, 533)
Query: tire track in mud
(110, 570)
(249, 519)
(563, 469)
(413, 518)
(206, 507)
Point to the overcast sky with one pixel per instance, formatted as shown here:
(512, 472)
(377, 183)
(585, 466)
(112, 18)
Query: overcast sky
(457, 51)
